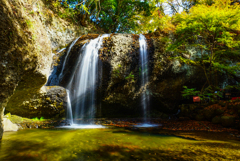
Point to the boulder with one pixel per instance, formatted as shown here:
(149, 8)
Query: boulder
(228, 121)
(50, 103)
(208, 114)
(216, 120)
(9, 126)
(219, 111)
(200, 117)
(221, 103)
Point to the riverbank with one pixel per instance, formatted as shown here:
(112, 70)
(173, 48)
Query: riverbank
(199, 130)
(193, 129)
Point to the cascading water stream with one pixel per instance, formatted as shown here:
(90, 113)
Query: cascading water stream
(69, 109)
(144, 82)
(144, 74)
(66, 57)
(82, 85)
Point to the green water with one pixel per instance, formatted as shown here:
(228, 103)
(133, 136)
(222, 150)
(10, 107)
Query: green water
(109, 144)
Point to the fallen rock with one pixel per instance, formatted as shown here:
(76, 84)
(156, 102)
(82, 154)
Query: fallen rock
(8, 125)
(216, 120)
(208, 114)
(200, 117)
(51, 103)
(219, 111)
(228, 121)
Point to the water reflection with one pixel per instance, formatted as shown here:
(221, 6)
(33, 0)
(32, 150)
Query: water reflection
(109, 144)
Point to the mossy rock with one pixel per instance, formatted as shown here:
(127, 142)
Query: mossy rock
(208, 114)
(236, 107)
(223, 104)
(192, 107)
(200, 117)
(219, 111)
(165, 116)
(216, 120)
(228, 121)
(231, 106)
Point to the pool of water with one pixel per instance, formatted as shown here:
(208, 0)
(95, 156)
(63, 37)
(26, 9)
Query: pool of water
(109, 144)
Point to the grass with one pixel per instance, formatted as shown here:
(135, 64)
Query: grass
(17, 119)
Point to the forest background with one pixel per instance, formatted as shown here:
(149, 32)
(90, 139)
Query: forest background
(211, 27)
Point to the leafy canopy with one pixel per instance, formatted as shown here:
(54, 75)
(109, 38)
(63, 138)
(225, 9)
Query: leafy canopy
(215, 32)
(122, 15)
(113, 15)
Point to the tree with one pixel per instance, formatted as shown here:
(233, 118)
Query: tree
(157, 20)
(112, 15)
(121, 15)
(214, 31)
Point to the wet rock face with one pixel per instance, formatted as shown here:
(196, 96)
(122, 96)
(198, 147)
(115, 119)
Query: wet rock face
(51, 103)
(119, 87)
(25, 50)
(120, 57)
(121, 79)
(28, 33)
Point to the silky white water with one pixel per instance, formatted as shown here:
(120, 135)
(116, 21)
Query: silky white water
(82, 126)
(144, 74)
(66, 57)
(83, 82)
(69, 109)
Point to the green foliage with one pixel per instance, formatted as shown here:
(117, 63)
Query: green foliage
(189, 92)
(29, 24)
(214, 31)
(156, 20)
(130, 77)
(63, 9)
(31, 12)
(122, 16)
(111, 15)
(208, 93)
(34, 37)
(116, 72)
(38, 119)
(17, 119)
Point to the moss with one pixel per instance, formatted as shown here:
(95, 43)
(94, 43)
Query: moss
(18, 120)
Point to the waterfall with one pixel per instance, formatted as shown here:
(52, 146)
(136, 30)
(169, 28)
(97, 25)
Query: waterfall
(144, 74)
(69, 109)
(66, 57)
(82, 85)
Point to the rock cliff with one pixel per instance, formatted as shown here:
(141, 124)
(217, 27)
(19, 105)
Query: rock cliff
(119, 87)
(30, 33)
